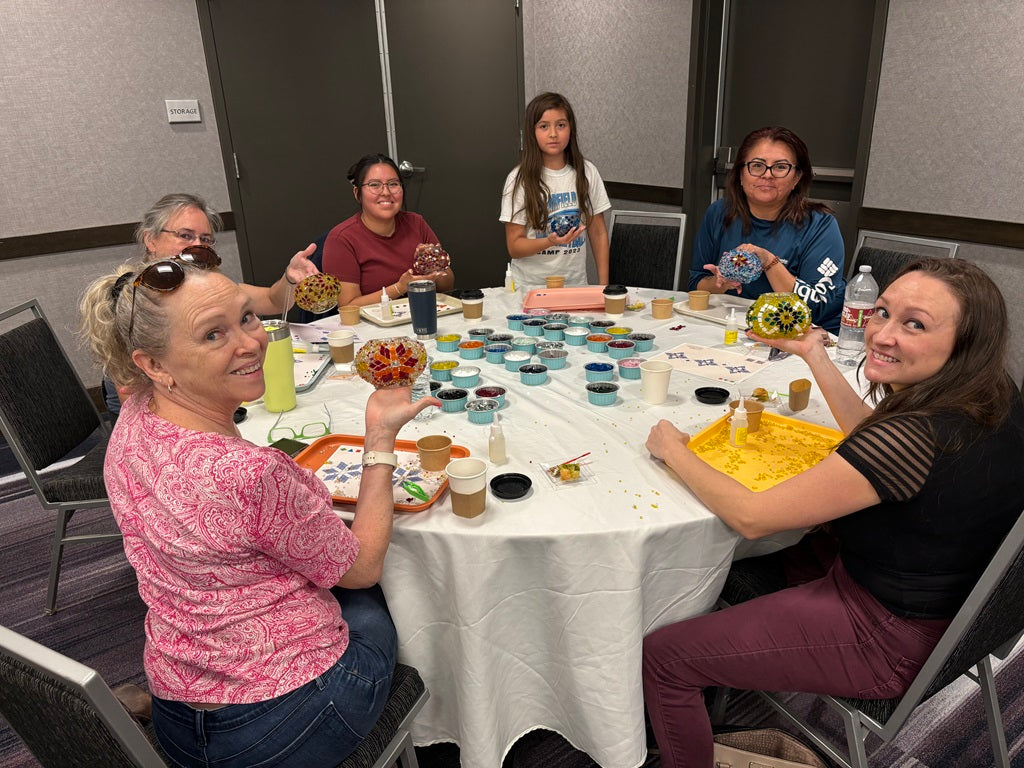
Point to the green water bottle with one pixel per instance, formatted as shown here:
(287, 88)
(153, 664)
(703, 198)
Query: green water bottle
(278, 368)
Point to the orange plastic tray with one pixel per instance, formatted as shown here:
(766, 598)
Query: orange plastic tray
(580, 297)
(781, 448)
(317, 454)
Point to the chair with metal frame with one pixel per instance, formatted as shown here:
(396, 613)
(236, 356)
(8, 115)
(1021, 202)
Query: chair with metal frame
(646, 254)
(69, 718)
(894, 252)
(45, 414)
(989, 623)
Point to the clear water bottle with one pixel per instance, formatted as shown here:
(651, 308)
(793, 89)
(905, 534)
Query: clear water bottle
(859, 306)
(421, 389)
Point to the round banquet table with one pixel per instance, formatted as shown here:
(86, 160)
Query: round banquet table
(533, 614)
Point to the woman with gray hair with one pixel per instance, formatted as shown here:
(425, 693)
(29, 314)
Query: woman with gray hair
(179, 220)
(267, 639)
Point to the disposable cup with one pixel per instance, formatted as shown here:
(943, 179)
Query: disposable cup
(435, 451)
(799, 394)
(654, 377)
(349, 314)
(472, 309)
(555, 281)
(699, 299)
(754, 411)
(467, 480)
(614, 304)
(342, 346)
(661, 309)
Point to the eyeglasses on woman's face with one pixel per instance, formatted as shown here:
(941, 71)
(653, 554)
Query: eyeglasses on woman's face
(167, 274)
(377, 187)
(759, 168)
(188, 236)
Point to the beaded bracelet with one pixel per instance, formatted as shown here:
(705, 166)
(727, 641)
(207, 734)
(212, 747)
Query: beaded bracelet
(774, 260)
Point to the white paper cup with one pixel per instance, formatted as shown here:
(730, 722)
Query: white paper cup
(467, 480)
(342, 346)
(654, 376)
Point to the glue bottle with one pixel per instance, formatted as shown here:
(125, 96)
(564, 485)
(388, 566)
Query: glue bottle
(510, 282)
(496, 442)
(738, 428)
(731, 331)
(385, 304)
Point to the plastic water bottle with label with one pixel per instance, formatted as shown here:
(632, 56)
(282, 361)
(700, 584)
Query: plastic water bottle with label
(859, 306)
(421, 389)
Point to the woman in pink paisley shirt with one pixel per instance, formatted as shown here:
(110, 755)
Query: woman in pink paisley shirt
(267, 639)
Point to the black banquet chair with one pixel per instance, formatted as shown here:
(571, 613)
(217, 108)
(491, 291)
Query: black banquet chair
(989, 624)
(69, 718)
(45, 414)
(643, 251)
(887, 254)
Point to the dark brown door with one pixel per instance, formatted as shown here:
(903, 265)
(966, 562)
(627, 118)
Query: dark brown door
(299, 96)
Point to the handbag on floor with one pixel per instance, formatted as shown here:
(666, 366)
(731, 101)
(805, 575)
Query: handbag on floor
(763, 748)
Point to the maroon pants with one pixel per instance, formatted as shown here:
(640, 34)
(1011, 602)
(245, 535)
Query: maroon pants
(824, 636)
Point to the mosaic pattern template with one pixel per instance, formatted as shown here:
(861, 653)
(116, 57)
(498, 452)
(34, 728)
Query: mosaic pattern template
(342, 472)
(711, 363)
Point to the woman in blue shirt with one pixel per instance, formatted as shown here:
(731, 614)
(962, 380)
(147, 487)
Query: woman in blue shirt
(766, 212)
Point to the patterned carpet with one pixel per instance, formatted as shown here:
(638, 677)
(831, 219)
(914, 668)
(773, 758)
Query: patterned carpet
(100, 622)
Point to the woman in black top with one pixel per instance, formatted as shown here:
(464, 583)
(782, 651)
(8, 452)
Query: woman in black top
(918, 496)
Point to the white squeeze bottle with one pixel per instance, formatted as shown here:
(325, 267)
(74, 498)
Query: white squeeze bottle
(510, 283)
(731, 331)
(385, 304)
(738, 428)
(496, 442)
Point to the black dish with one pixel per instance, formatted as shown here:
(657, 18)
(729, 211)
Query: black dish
(511, 485)
(712, 395)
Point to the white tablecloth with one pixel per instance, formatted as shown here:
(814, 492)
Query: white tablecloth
(533, 614)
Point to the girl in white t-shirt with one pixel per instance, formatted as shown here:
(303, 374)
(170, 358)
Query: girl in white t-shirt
(550, 211)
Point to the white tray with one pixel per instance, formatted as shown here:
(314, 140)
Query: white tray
(446, 305)
(719, 305)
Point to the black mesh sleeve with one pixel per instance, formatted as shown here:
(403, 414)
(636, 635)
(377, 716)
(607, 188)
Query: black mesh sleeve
(895, 456)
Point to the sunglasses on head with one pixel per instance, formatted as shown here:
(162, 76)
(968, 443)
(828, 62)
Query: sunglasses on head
(167, 274)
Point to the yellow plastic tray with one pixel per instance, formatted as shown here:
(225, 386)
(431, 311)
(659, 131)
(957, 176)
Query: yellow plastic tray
(780, 449)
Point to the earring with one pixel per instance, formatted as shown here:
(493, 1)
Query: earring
(169, 385)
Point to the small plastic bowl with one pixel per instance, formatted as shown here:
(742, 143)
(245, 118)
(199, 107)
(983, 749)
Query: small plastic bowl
(644, 341)
(510, 485)
(480, 334)
(554, 331)
(576, 335)
(601, 326)
(533, 374)
(537, 312)
(491, 392)
(542, 345)
(482, 411)
(495, 353)
(553, 358)
(559, 317)
(515, 359)
(524, 344)
(499, 338)
(621, 348)
(598, 342)
(711, 395)
(442, 370)
(629, 368)
(619, 331)
(471, 350)
(449, 342)
(599, 371)
(515, 322)
(602, 393)
(534, 326)
(580, 321)
(434, 386)
(452, 399)
(466, 376)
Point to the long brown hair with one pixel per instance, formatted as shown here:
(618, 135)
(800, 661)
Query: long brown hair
(797, 208)
(535, 191)
(974, 381)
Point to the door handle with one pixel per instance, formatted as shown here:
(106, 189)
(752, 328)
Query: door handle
(407, 169)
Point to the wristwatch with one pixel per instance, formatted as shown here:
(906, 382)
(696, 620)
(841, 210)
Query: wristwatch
(370, 458)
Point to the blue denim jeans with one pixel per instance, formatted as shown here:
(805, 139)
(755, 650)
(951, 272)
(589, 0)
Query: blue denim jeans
(318, 724)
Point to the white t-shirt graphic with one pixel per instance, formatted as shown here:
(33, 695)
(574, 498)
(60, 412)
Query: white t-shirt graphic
(570, 259)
